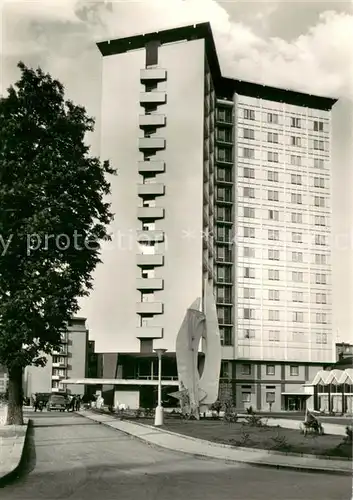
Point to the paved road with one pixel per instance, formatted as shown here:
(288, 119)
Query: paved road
(73, 458)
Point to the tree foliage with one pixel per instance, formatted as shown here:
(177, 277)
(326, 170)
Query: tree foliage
(54, 216)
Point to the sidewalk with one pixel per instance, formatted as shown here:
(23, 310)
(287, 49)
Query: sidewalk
(200, 447)
(12, 440)
(335, 429)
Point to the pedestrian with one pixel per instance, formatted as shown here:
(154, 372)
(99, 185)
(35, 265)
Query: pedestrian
(35, 402)
(78, 403)
(73, 403)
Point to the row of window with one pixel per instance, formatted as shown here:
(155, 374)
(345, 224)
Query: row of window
(272, 195)
(296, 179)
(273, 118)
(250, 212)
(250, 293)
(272, 157)
(273, 235)
(245, 369)
(275, 336)
(274, 138)
(297, 316)
(250, 252)
(297, 276)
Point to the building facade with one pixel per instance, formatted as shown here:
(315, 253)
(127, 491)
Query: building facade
(71, 361)
(219, 180)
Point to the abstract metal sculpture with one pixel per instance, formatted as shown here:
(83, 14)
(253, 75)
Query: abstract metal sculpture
(197, 393)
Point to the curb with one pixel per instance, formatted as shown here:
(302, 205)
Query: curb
(9, 476)
(299, 468)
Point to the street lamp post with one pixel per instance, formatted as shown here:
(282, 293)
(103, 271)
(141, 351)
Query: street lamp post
(158, 419)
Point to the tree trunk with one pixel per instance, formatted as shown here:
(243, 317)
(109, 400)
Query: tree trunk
(15, 401)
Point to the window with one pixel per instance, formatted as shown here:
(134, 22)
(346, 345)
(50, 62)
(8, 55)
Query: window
(273, 234)
(224, 134)
(318, 126)
(272, 118)
(224, 115)
(319, 182)
(249, 252)
(296, 179)
(294, 370)
(273, 294)
(321, 298)
(298, 317)
(297, 276)
(147, 297)
(249, 232)
(246, 369)
(297, 238)
(249, 333)
(321, 318)
(273, 335)
(318, 163)
(272, 195)
(249, 212)
(297, 257)
(273, 254)
(320, 279)
(249, 133)
(296, 198)
(272, 156)
(273, 215)
(320, 239)
(297, 296)
(246, 397)
(320, 220)
(273, 315)
(226, 335)
(295, 141)
(272, 176)
(224, 154)
(146, 319)
(320, 259)
(297, 217)
(249, 153)
(148, 226)
(319, 145)
(321, 338)
(273, 274)
(249, 313)
(249, 293)
(296, 160)
(295, 122)
(249, 173)
(272, 137)
(270, 369)
(147, 273)
(225, 370)
(249, 272)
(248, 192)
(319, 201)
(249, 114)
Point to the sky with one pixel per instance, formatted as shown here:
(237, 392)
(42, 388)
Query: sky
(306, 46)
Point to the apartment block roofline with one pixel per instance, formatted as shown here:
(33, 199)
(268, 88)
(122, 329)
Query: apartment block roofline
(225, 86)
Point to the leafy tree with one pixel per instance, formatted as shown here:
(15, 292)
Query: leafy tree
(54, 216)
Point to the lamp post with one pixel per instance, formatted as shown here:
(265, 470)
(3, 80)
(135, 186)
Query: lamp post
(158, 419)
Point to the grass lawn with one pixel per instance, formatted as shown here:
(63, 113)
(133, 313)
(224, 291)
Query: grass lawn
(269, 438)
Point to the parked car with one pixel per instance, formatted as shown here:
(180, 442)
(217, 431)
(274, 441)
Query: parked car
(57, 402)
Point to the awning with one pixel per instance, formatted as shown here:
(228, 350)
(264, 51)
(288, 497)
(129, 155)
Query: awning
(117, 381)
(296, 394)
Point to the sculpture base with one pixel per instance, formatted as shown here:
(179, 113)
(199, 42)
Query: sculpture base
(158, 416)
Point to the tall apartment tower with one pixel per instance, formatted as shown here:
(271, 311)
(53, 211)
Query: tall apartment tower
(219, 179)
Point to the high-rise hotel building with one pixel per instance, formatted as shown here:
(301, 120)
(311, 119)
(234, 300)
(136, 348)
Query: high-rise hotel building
(218, 179)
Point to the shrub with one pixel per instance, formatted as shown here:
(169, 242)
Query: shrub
(148, 412)
(244, 438)
(230, 415)
(216, 406)
(349, 434)
(254, 421)
(250, 410)
(138, 413)
(280, 443)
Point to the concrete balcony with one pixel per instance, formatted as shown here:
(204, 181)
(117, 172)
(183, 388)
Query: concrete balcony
(59, 365)
(149, 307)
(143, 260)
(151, 166)
(57, 377)
(150, 213)
(152, 120)
(151, 143)
(153, 189)
(150, 235)
(149, 332)
(153, 97)
(149, 74)
(149, 284)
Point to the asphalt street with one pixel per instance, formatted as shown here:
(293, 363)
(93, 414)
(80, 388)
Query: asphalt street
(70, 457)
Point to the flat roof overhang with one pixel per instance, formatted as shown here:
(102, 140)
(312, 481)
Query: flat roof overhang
(225, 87)
(115, 381)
